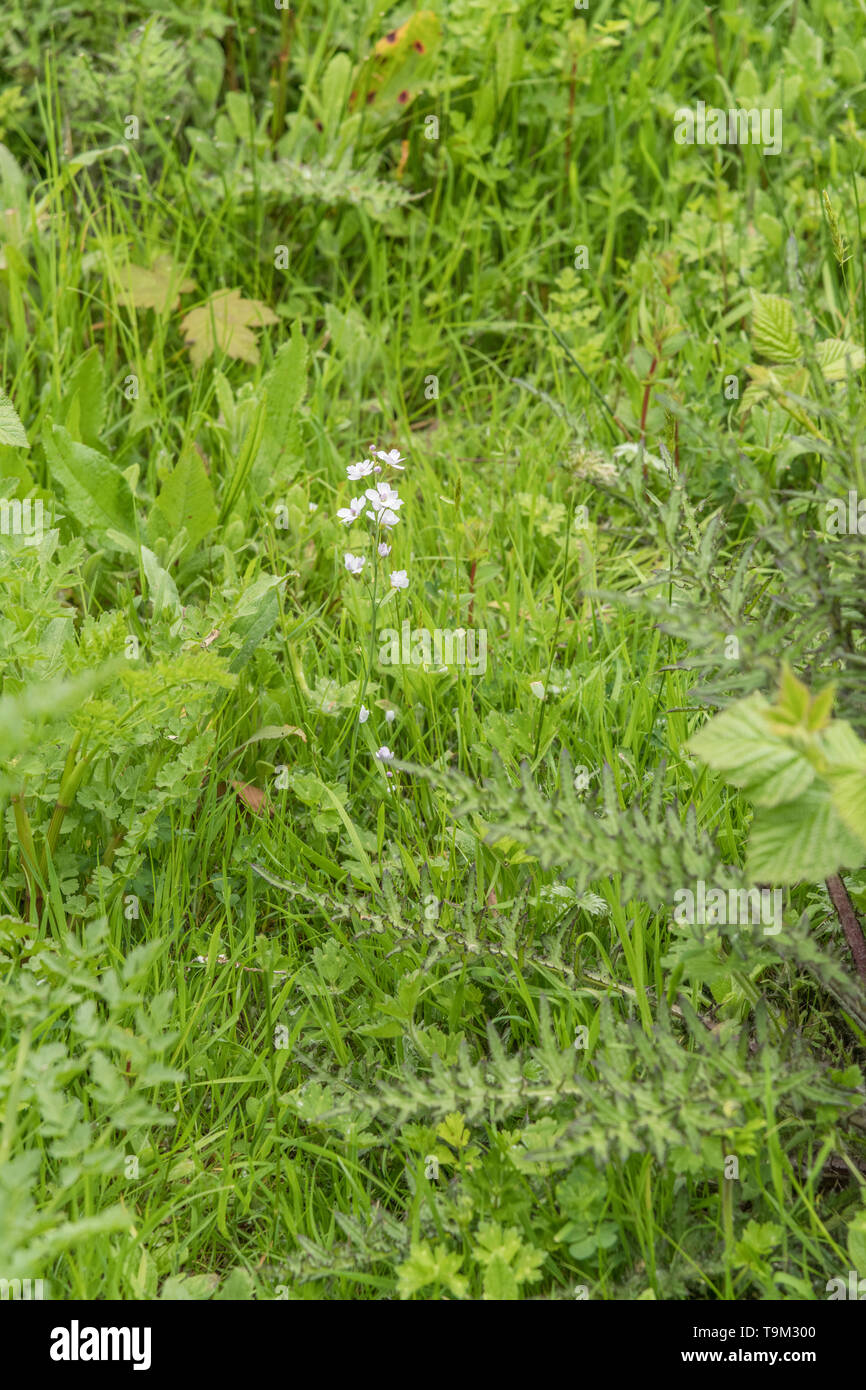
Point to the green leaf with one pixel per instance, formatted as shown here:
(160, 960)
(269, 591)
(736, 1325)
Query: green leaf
(453, 1131)
(739, 744)
(508, 1261)
(803, 841)
(857, 1243)
(98, 495)
(757, 1244)
(774, 334)
(848, 792)
(835, 356)
(335, 92)
(256, 630)
(11, 429)
(237, 1286)
(87, 400)
(499, 1281)
(186, 499)
(284, 387)
(161, 586)
(188, 1288)
(427, 1266)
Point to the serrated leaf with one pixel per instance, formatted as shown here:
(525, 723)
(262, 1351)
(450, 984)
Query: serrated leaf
(453, 1131)
(843, 766)
(224, 323)
(774, 334)
(98, 495)
(11, 429)
(835, 357)
(739, 744)
(426, 1266)
(848, 793)
(802, 841)
(499, 1281)
(158, 287)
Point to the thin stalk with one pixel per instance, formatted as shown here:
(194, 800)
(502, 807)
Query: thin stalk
(849, 920)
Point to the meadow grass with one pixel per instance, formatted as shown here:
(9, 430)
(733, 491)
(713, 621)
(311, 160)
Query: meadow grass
(283, 1020)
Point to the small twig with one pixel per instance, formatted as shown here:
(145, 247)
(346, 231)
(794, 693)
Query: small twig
(850, 922)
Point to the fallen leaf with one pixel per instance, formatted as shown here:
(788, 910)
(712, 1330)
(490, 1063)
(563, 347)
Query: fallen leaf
(159, 287)
(223, 323)
(253, 797)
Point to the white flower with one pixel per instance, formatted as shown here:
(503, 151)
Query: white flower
(383, 495)
(393, 457)
(352, 512)
(314, 506)
(399, 579)
(363, 714)
(390, 715)
(384, 754)
(537, 689)
(385, 517)
(384, 549)
(354, 471)
(354, 563)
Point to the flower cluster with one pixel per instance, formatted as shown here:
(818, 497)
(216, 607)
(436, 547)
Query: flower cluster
(380, 503)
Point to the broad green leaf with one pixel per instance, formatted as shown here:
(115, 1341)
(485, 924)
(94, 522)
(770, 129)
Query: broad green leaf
(256, 629)
(843, 766)
(848, 792)
(11, 429)
(250, 601)
(187, 1288)
(739, 744)
(774, 334)
(224, 323)
(748, 84)
(161, 586)
(284, 386)
(97, 493)
(186, 498)
(335, 92)
(835, 356)
(499, 1281)
(238, 1285)
(87, 400)
(802, 841)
